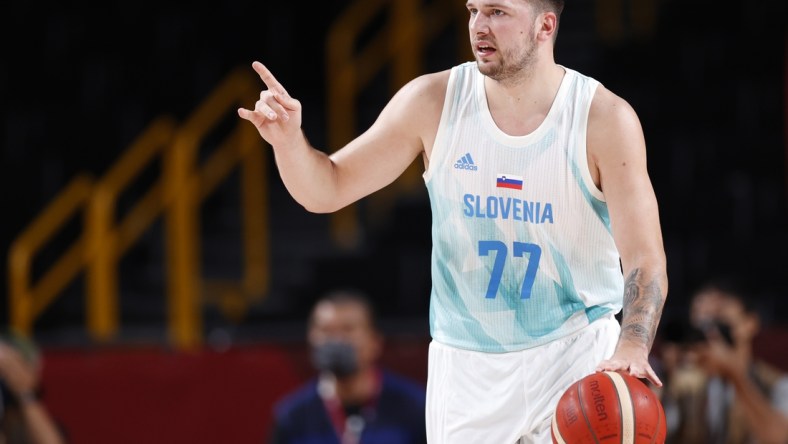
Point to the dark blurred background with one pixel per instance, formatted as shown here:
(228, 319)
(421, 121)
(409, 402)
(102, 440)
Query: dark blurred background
(79, 84)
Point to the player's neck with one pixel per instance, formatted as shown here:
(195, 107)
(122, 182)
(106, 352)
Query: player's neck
(537, 85)
(519, 110)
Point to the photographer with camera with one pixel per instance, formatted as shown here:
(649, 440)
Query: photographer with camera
(352, 400)
(23, 418)
(715, 390)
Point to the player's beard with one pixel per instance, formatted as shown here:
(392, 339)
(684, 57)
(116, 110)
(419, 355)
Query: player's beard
(513, 64)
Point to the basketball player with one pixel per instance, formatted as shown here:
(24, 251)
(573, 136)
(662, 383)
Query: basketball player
(540, 195)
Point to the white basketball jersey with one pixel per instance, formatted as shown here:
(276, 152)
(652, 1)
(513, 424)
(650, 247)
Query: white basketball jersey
(522, 248)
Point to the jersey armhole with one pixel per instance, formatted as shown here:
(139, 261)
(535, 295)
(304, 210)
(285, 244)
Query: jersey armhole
(436, 153)
(582, 145)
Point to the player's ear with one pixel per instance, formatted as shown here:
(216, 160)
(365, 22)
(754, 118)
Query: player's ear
(547, 26)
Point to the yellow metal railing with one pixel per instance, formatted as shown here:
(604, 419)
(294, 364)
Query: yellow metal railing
(189, 184)
(185, 183)
(177, 195)
(109, 239)
(400, 44)
(28, 299)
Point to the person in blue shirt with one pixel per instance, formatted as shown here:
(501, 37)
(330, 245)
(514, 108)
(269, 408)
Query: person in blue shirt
(352, 400)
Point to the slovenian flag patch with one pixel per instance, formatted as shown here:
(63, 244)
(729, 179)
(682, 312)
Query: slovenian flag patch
(509, 181)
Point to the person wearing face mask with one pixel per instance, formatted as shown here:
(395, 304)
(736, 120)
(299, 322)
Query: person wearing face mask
(718, 391)
(352, 400)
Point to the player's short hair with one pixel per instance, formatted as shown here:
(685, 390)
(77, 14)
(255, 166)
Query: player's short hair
(556, 6)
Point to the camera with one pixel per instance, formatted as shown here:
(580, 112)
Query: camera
(701, 333)
(683, 333)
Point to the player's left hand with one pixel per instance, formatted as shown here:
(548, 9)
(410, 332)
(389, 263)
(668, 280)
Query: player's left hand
(632, 358)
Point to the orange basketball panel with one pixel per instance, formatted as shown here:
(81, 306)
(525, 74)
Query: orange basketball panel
(609, 408)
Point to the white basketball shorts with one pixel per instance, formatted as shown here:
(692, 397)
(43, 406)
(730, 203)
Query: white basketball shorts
(507, 398)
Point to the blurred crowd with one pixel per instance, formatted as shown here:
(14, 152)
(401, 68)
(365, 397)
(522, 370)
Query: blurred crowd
(716, 390)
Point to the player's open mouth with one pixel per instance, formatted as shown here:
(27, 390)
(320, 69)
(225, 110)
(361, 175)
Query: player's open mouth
(484, 49)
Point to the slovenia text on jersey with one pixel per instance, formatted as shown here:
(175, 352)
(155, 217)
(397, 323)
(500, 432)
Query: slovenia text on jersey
(506, 208)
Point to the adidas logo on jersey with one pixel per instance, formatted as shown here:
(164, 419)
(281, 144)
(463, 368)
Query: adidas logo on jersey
(466, 163)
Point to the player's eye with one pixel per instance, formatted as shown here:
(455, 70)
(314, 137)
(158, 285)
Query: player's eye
(497, 12)
(473, 11)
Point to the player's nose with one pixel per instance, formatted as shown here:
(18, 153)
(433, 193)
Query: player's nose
(479, 24)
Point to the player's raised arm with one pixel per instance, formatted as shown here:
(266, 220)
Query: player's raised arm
(617, 148)
(323, 183)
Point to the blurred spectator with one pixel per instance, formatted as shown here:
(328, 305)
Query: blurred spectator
(23, 418)
(715, 390)
(352, 400)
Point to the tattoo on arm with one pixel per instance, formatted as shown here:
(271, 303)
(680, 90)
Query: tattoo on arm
(642, 308)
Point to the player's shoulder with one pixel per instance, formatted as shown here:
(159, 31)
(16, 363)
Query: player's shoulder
(416, 108)
(427, 88)
(613, 126)
(608, 108)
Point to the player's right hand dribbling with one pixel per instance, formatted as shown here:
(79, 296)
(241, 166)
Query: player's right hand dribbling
(276, 115)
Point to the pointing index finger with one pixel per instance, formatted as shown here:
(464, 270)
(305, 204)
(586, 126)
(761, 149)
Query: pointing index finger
(269, 79)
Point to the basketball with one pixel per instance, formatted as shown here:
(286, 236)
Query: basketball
(609, 407)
